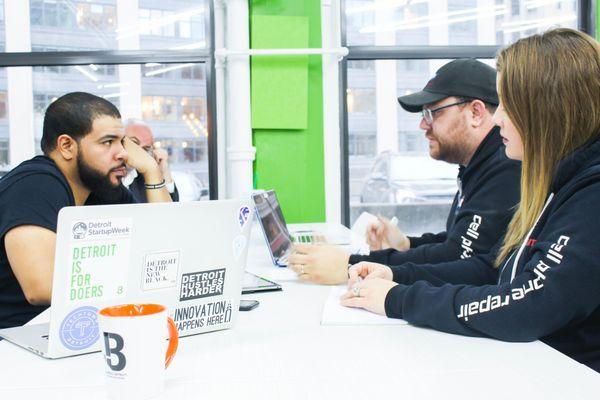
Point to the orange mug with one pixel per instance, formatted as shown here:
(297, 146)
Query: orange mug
(134, 349)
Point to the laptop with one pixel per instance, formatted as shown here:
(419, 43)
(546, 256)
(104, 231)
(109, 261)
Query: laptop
(279, 238)
(167, 253)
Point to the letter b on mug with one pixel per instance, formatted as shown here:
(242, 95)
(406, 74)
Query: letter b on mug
(114, 354)
(134, 349)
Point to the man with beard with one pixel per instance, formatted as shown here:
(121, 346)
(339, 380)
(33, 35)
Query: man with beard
(457, 105)
(85, 158)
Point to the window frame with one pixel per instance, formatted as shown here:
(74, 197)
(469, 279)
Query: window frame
(586, 22)
(120, 57)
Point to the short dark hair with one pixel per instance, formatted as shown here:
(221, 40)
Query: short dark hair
(73, 114)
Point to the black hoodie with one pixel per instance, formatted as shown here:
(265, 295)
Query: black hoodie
(480, 213)
(547, 289)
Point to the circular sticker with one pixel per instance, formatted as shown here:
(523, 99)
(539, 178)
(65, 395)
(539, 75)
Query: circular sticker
(79, 330)
(239, 243)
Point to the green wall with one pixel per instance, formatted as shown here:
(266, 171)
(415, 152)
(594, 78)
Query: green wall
(292, 161)
(598, 20)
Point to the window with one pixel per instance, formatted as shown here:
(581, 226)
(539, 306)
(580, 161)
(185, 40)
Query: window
(95, 24)
(361, 101)
(451, 22)
(3, 155)
(177, 117)
(384, 142)
(3, 101)
(387, 154)
(171, 97)
(515, 7)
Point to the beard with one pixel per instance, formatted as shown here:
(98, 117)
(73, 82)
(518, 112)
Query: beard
(97, 182)
(453, 149)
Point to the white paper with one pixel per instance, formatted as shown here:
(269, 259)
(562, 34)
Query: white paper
(280, 274)
(336, 314)
(362, 223)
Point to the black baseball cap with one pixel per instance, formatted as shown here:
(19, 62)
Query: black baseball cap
(465, 77)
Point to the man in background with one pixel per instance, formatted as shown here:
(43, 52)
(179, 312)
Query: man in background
(141, 134)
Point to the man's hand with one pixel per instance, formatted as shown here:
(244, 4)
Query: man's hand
(139, 159)
(369, 294)
(384, 235)
(148, 167)
(162, 156)
(368, 270)
(324, 264)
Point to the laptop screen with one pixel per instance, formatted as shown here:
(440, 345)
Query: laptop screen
(273, 222)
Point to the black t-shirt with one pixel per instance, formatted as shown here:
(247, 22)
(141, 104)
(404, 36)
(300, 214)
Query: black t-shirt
(32, 194)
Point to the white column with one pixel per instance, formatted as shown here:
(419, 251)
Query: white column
(219, 7)
(486, 23)
(330, 28)
(131, 93)
(240, 152)
(438, 33)
(20, 83)
(385, 83)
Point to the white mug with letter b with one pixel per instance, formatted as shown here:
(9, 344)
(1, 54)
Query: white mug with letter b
(134, 348)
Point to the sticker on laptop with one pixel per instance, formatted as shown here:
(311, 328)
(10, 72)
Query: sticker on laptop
(243, 216)
(98, 270)
(160, 270)
(98, 229)
(239, 244)
(79, 330)
(196, 285)
(189, 318)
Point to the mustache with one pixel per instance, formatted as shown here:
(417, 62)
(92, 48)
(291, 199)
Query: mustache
(118, 167)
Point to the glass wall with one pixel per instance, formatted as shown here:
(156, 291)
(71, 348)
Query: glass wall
(171, 97)
(452, 22)
(112, 24)
(389, 168)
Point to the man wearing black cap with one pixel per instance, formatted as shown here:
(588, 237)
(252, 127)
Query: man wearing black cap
(457, 106)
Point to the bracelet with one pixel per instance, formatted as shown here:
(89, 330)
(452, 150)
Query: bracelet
(157, 186)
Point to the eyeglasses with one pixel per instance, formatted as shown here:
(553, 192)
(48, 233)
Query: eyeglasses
(428, 113)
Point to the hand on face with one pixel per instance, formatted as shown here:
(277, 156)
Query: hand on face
(324, 264)
(138, 158)
(369, 294)
(384, 235)
(162, 156)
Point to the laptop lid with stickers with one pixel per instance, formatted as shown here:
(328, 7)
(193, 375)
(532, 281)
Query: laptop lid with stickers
(189, 257)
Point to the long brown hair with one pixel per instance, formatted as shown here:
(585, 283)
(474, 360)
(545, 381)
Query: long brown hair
(549, 85)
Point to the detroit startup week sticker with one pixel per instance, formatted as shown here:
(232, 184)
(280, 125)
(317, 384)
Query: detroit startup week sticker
(99, 259)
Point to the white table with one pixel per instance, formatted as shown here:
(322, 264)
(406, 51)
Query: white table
(280, 351)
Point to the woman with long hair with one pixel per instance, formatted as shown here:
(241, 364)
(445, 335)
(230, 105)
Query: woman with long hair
(543, 280)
